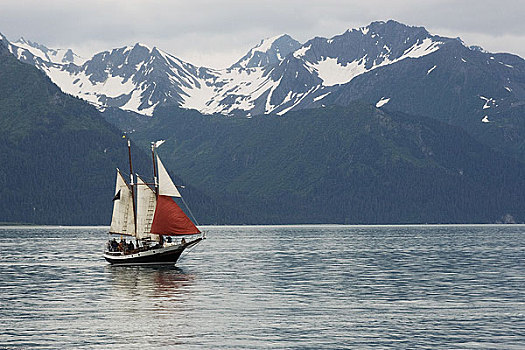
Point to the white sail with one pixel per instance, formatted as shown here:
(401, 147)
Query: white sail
(166, 185)
(146, 203)
(122, 220)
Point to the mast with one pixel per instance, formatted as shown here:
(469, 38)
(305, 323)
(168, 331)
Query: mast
(132, 185)
(153, 144)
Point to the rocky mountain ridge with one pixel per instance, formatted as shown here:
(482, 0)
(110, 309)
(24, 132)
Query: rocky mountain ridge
(276, 76)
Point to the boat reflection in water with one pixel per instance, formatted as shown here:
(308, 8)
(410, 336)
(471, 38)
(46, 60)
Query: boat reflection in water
(163, 282)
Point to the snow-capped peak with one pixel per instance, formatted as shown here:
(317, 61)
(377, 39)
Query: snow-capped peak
(269, 51)
(267, 43)
(59, 56)
(142, 45)
(134, 48)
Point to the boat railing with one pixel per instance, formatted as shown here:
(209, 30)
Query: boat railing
(123, 249)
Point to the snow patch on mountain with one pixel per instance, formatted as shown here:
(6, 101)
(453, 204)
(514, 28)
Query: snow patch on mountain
(427, 46)
(80, 85)
(299, 98)
(333, 73)
(198, 96)
(383, 101)
(489, 102)
(320, 97)
(302, 51)
(135, 103)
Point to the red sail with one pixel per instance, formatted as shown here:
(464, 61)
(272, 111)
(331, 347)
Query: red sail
(169, 219)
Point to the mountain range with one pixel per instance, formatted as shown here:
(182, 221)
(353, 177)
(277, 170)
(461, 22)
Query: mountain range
(382, 124)
(384, 63)
(58, 154)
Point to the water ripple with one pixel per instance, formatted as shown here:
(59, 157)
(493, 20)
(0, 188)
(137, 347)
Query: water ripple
(300, 287)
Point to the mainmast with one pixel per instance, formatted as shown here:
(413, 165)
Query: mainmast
(132, 184)
(153, 144)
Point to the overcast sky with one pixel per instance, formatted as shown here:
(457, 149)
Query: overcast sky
(217, 33)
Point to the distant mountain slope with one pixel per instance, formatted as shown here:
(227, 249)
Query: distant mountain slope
(341, 165)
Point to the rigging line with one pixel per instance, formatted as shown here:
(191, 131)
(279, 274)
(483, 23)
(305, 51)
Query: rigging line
(189, 210)
(185, 252)
(146, 177)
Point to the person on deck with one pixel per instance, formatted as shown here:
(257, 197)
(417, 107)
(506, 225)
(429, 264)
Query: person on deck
(114, 245)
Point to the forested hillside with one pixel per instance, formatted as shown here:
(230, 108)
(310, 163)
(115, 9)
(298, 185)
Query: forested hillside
(57, 155)
(356, 164)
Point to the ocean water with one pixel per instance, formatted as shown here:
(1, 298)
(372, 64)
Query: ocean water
(275, 287)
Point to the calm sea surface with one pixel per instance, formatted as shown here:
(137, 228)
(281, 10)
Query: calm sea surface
(255, 287)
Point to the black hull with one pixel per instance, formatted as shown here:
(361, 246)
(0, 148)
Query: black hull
(162, 256)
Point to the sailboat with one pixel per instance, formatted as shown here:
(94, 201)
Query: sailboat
(147, 213)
